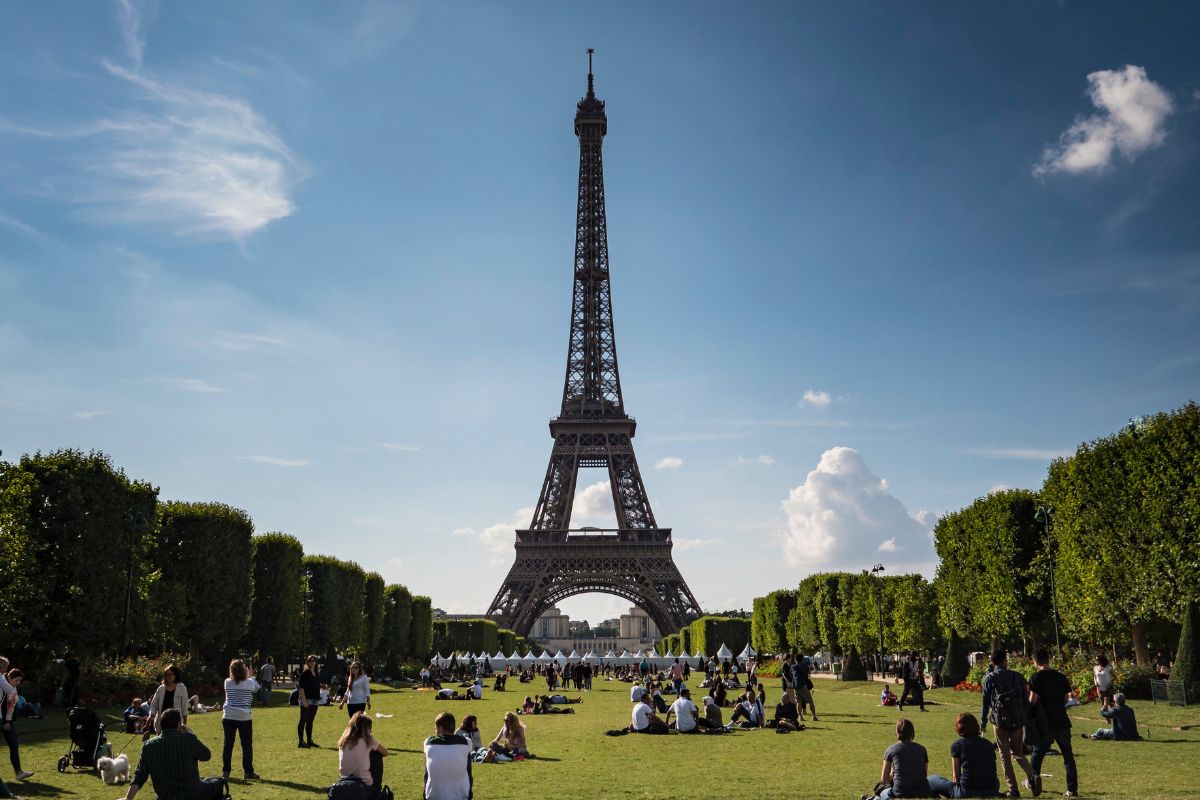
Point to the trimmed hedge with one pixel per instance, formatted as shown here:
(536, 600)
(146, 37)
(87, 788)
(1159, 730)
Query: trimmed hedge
(768, 625)
(709, 633)
(465, 635)
(420, 629)
(507, 640)
(373, 615)
(397, 621)
(334, 603)
(274, 628)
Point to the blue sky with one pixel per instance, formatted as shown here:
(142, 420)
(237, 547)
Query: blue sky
(870, 261)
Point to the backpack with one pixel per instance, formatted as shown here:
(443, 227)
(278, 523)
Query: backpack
(1008, 708)
(348, 789)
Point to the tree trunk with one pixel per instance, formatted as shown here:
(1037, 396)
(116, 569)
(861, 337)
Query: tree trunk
(995, 643)
(1140, 645)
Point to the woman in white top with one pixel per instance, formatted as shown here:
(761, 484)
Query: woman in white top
(358, 694)
(360, 756)
(1103, 678)
(469, 730)
(171, 693)
(240, 687)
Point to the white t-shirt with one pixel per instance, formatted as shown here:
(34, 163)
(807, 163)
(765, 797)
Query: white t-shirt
(641, 716)
(637, 692)
(1104, 677)
(447, 768)
(445, 693)
(477, 690)
(360, 690)
(685, 714)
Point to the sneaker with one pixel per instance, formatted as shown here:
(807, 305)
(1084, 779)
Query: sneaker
(24, 776)
(1069, 793)
(816, 718)
(253, 776)
(1034, 785)
(301, 744)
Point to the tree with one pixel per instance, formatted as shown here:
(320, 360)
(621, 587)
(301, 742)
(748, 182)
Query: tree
(334, 603)
(854, 669)
(397, 620)
(73, 531)
(373, 615)
(420, 633)
(913, 620)
(956, 668)
(1187, 657)
(203, 556)
(989, 577)
(768, 623)
(801, 628)
(277, 605)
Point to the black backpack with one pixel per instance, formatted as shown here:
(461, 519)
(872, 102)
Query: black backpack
(1008, 704)
(348, 789)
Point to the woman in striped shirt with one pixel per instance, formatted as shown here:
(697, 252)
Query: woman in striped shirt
(235, 718)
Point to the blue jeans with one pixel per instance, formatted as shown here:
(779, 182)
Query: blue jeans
(944, 787)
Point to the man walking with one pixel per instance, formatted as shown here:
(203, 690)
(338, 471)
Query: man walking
(1006, 704)
(1049, 691)
(914, 679)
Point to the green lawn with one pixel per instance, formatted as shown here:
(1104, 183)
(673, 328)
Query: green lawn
(836, 757)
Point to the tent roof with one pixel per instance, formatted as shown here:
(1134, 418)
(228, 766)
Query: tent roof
(723, 652)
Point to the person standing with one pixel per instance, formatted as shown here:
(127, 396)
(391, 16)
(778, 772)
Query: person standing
(1006, 704)
(358, 690)
(914, 679)
(309, 690)
(266, 680)
(677, 676)
(171, 693)
(447, 762)
(1049, 691)
(70, 687)
(8, 722)
(1102, 677)
(235, 718)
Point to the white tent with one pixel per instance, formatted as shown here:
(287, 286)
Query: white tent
(591, 657)
(665, 660)
(574, 656)
(747, 653)
(559, 658)
(544, 658)
(724, 653)
(610, 657)
(499, 660)
(515, 659)
(625, 658)
(440, 660)
(529, 658)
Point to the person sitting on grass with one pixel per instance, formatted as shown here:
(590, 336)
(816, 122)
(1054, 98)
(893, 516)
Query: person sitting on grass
(656, 697)
(685, 711)
(510, 741)
(1124, 722)
(712, 716)
(134, 719)
(645, 720)
(787, 716)
(447, 762)
(750, 710)
(972, 763)
(887, 697)
(469, 730)
(170, 760)
(905, 767)
(197, 707)
(719, 695)
(452, 694)
(501, 680)
(360, 755)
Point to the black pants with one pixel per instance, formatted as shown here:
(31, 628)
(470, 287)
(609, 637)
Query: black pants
(244, 729)
(376, 775)
(210, 789)
(916, 689)
(14, 754)
(305, 726)
(354, 708)
(1062, 738)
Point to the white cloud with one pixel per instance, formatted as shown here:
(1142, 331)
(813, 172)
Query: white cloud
(1132, 110)
(463, 531)
(1020, 453)
(393, 570)
(842, 511)
(926, 518)
(999, 487)
(402, 448)
(816, 398)
(382, 22)
(23, 227)
(191, 385)
(240, 342)
(594, 507)
(500, 538)
(277, 462)
(683, 544)
(89, 414)
(670, 462)
(133, 34)
(765, 460)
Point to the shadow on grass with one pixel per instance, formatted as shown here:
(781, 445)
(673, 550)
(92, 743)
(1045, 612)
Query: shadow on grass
(35, 789)
(298, 787)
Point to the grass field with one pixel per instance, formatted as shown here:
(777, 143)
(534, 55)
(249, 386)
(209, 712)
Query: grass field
(838, 757)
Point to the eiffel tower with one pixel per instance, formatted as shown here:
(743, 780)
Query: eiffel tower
(592, 429)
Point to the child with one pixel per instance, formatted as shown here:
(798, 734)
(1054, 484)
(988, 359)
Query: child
(887, 697)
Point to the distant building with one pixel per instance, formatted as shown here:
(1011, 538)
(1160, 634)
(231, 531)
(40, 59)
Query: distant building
(635, 631)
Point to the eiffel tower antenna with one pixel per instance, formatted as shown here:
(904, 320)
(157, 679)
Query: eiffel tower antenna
(592, 430)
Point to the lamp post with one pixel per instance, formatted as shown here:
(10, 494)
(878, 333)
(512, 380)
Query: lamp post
(137, 525)
(1045, 515)
(875, 570)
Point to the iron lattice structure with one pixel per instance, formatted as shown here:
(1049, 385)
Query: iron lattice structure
(634, 560)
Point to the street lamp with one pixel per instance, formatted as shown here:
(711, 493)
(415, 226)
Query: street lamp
(875, 570)
(137, 525)
(1045, 515)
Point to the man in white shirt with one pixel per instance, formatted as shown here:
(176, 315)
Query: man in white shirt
(644, 718)
(447, 762)
(636, 693)
(685, 712)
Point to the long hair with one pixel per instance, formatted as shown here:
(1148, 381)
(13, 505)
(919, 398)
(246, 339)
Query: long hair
(174, 670)
(354, 665)
(310, 660)
(512, 724)
(469, 724)
(357, 729)
(237, 670)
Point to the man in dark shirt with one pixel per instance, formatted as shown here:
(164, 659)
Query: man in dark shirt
(1006, 705)
(1124, 722)
(1049, 690)
(170, 761)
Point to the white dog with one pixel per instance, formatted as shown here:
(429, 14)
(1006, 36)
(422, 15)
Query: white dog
(114, 770)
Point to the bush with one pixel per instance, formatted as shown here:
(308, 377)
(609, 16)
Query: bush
(465, 635)
(1187, 656)
(107, 683)
(853, 668)
(709, 633)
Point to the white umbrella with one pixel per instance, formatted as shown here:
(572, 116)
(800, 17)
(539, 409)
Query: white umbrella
(724, 653)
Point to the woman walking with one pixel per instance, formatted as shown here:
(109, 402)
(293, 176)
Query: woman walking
(358, 690)
(171, 693)
(309, 695)
(235, 718)
(8, 712)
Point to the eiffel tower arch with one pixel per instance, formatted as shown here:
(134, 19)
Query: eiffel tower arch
(592, 430)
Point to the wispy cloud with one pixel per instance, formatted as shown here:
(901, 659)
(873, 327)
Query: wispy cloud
(23, 227)
(391, 447)
(382, 22)
(670, 462)
(1131, 116)
(1020, 453)
(89, 414)
(277, 462)
(765, 460)
(786, 423)
(683, 544)
(238, 342)
(816, 399)
(402, 448)
(131, 17)
(190, 385)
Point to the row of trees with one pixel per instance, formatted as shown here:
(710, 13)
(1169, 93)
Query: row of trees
(1104, 554)
(475, 636)
(100, 566)
(706, 635)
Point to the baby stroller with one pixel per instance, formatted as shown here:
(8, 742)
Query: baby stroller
(88, 740)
